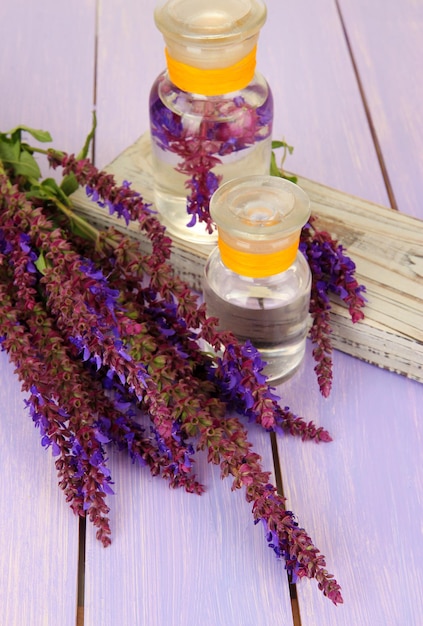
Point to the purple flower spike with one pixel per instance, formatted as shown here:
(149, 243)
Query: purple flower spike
(227, 127)
(332, 272)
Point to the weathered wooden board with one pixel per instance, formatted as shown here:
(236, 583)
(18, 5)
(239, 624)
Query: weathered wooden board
(387, 247)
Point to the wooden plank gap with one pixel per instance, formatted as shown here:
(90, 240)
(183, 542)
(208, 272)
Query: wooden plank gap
(294, 604)
(81, 571)
(276, 463)
(80, 616)
(279, 485)
(376, 142)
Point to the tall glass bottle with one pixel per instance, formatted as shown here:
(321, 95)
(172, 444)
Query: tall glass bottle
(256, 281)
(211, 113)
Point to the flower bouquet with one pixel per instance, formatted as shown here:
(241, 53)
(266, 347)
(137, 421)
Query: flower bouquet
(103, 336)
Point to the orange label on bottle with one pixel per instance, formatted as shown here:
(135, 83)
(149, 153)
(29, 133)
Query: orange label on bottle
(212, 82)
(257, 265)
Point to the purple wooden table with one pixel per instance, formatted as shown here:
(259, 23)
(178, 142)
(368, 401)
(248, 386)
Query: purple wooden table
(348, 87)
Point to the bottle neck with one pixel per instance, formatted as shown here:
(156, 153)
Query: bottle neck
(214, 81)
(258, 265)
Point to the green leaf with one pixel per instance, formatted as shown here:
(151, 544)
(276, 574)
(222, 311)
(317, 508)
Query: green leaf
(9, 149)
(40, 135)
(282, 144)
(51, 186)
(278, 144)
(41, 264)
(274, 170)
(83, 153)
(35, 192)
(293, 179)
(15, 155)
(48, 189)
(26, 166)
(69, 184)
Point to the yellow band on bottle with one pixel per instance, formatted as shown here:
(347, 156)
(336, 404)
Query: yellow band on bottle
(257, 265)
(212, 82)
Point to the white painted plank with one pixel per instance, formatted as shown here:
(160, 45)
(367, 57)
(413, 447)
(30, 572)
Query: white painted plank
(178, 558)
(38, 531)
(361, 496)
(387, 43)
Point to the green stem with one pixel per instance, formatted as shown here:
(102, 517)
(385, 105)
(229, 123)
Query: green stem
(84, 228)
(44, 151)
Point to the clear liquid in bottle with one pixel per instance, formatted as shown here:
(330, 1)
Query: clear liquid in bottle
(211, 113)
(272, 313)
(207, 141)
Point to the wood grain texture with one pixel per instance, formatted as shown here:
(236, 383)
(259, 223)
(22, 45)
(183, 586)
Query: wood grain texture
(387, 43)
(130, 56)
(177, 558)
(38, 531)
(47, 69)
(318, 109)
(47, 78)
(361, 496)
(385, 245)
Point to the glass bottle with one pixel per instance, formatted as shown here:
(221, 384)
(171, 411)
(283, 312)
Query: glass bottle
(211, 113)
(256, 281)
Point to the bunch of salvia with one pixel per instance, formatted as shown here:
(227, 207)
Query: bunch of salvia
(107, 342)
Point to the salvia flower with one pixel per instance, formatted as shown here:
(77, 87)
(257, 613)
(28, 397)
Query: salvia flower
(333, 272)
(220, 128)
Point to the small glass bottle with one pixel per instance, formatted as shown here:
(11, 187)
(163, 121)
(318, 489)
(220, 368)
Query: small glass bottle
(211, 113)
(257, 282)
